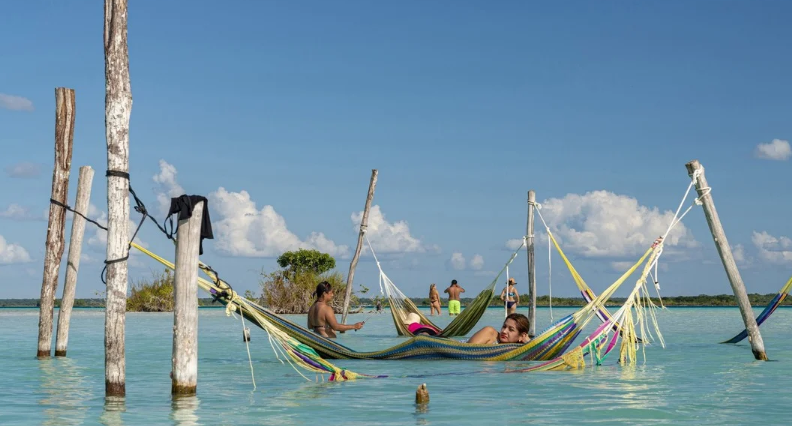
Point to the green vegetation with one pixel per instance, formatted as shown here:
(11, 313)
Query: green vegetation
(306, 261)
(152, 296)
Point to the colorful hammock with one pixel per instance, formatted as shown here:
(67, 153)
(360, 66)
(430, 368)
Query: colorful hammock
(304, 346)
(771, 307)
(401, 305)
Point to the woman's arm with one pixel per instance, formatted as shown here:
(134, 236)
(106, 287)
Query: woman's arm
(330, 320)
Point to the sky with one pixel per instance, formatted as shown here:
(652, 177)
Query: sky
(278, 111)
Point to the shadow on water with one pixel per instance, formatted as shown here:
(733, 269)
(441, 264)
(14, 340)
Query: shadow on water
(114, 406)
(183, 410)
(66, 392)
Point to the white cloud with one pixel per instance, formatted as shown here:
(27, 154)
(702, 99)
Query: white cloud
(777, 250)
(12, 253)
(477, 262)
(23, 170)
(21, 213)
(776, 150)
(15, 103)
(603, 224)
(243, 230)
(167, 187)
(457, 261)
(389, 237)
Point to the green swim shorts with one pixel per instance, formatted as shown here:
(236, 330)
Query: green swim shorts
(453, 307)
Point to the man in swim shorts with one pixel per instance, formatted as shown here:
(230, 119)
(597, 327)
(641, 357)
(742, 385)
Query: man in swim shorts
(453, 297)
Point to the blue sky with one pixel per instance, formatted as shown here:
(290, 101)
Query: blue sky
(278, 111)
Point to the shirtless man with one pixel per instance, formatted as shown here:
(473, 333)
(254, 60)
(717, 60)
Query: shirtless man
(321, 317)
(453, 297)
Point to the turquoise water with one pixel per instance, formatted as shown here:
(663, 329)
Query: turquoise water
(693, 380)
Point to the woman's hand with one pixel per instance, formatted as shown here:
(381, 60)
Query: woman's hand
(358, 325)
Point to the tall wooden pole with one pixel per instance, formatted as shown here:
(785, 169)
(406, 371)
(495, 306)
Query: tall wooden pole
(529, 232)
(695, 168)
(185, 313)
(64, 140)
(363, 225)
(118, 106)
(73, 262)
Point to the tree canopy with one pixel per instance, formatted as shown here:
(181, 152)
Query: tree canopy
(304, 260)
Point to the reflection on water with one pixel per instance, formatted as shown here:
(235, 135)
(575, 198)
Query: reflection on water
(306, 392)
(66, 391)
(420, 414)
(183, 410)
(113, 408)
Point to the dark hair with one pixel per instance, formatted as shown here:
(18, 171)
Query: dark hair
(522, 322)
(453, 282)
(322, 288)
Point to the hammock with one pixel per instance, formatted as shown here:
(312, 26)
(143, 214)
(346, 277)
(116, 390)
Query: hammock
(401, 305)
(307, 348)
(771, 307)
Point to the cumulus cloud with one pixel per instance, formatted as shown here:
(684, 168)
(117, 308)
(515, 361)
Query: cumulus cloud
(167, 186)
(23, 170)
(602, 224)
(244, 230)
(12, 253)
(776, 250)
(459, 263)
(776, 150)
(15, 103)
(389, 237)
(21, 213)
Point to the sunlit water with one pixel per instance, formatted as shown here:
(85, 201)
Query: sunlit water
(693, 380)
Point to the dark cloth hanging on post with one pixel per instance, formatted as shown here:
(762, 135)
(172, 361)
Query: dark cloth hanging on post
(184, 204)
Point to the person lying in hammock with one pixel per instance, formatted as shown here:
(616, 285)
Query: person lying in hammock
(514, 330)
(413, 323)
(321, 317)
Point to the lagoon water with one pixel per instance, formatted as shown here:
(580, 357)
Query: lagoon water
(693, 380)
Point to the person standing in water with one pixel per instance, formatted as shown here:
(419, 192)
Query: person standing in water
(454, 291)
(434, 300)
(510, 296)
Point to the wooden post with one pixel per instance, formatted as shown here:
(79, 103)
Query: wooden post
(722, 244)
(529, 247)
(185, 311)
(363, 225)
(73, 263)
(118, 106)
(64, 140)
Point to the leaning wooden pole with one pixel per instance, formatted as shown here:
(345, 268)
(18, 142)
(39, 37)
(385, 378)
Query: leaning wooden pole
(64, 140)
(185, 310)
(695, 169)
(356, 257)
(118, 106)
(529, 246)
(73, 262)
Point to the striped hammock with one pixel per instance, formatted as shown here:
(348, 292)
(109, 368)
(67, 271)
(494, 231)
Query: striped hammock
(771, 307)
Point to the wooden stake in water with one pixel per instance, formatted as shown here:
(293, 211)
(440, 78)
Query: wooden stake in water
(529, 246)
(724, 250)
(185, 312)
(64, 140)
(118, 107)
(363, 225)
(73, 262)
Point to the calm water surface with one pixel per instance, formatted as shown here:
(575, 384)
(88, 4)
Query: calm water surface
(693, 380)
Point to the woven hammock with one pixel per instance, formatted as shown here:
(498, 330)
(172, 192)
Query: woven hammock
(401, 305)
(771, 307)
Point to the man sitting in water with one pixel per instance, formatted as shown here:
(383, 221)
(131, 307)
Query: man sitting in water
(321, 317)
(453, 298)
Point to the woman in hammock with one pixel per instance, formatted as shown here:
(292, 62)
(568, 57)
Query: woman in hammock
(321, 317)
(434, 300)
(514, 330)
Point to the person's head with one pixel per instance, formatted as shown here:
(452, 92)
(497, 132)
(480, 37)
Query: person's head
(432, 286)
(515, 329)
(323, 291)
(512, 282)
(453, 282)
(412, 318)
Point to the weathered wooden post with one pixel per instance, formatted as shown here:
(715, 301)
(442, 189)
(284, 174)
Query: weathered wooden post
(118, 107)
(185, 310)
(696, 170)
(64, 140)
(529, 246)
(73, 262)
(363, 225)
